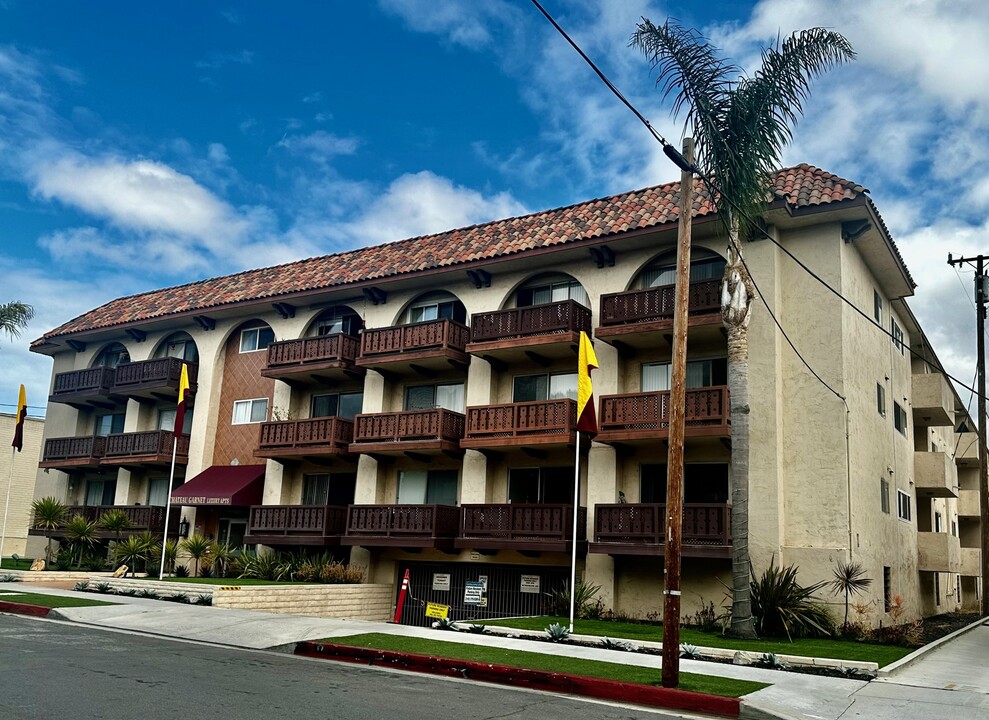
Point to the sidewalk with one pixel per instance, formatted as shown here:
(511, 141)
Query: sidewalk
(952, 681)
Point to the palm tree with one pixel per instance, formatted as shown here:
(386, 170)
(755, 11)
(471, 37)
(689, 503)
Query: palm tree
(82, 533)
(850, 579)
(49, 514)
(221, 554)
(115, 521)
(14, 317)
(171, 553)
(131, 551)
(740, 125)
(197, 547)
(149, 542)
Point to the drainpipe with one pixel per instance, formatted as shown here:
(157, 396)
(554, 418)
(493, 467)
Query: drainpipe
(848, 477)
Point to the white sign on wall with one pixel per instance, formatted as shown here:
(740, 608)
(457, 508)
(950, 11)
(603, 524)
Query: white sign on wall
(441, 581)
(530, 584)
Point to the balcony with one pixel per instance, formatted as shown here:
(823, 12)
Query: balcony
(934, 474)
(932, 400)
(967, 449)
(82, 389)
(152, 380)
(150, 448)
(277, 525)
(971, 562)
(329, 358)
(938, 552)
(968, 504)
(295, 439)
(424, 347)
(143, 518)
(643, 417)
(541, 332)
(69, 453)
(640, 529)
(412, 431)
(547, 422)
(402, 526)
(522, 527)
(640, 318)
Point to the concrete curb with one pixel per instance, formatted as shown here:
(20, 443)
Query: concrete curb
(917, 654)
(22, 609)
(531, 679)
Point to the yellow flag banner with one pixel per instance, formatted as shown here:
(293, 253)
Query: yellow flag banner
(586, 362)
(183, 397)
(18, 443)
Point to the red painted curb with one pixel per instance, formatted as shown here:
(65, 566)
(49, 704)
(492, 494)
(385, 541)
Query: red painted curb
(532, 679)
(22, 609)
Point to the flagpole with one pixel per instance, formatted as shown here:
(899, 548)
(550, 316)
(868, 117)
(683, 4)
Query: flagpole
(6, 505)
(168, 505)
(573, 551)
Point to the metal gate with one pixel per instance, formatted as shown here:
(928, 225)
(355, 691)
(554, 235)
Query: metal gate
(509, 590)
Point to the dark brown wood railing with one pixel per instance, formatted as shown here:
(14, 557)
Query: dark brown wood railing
(306, 433)
(74, 448)
(151, 442)
(445, 334)
(327, 348)
(635, 306)
(141, 517)
(295, 520)
(403, 521)
(92, 381)
(521, 522)
(546, 417)
(706, 407)
(567, 316)
(438, 424)
(645, 523)
(153, 373)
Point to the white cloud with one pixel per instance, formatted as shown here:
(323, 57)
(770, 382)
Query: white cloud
(472, 25)
(217, 60)
(319, 146)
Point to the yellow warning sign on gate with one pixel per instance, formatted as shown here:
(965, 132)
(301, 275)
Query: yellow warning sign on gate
(435, 610)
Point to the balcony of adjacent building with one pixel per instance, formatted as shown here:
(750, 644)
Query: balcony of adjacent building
(293, 525)
(934, 475)
(967, 449)
(84, 389)
(524, 527)
(932, 400)
(938, 552)
(640, 529)
(971, 562)
(402, 526)
(968, 504)
(142, 518)
(153, 380)
(136, 449)
(312, 439)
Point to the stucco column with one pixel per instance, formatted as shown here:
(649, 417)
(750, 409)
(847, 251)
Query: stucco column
(275, 489)
(474, 479)
(601, 487)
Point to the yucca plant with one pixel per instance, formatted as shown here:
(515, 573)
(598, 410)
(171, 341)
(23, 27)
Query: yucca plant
(115, 521)
(197, 547)
(130, 552)
(781, 606)
(49, 514)
(82, 534)
(171, 554)
(221, 554)
(849, 579)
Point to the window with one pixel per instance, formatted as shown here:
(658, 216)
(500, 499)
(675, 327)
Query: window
(158, 492)
(549, 485)
(702, 483)
(328, 488)
(877, 307)
(534, 388)
(937, 588)
(435, 487)
(881, 399)
(898, 337)
(107, 424)
(257, 338)
(899, 418)
(954, 526)
(179, 345)
(166, 420)
(344, 405)
(656, 377)
(938, 523)
(250, 411)
(884, 494)
(449, 396)
(338, 320)
(903, 505)
(887, 588)
(101, 492)
(550, 292)
(663, 272)
(111, 356)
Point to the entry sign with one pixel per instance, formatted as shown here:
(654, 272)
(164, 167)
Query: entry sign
(530, 584)
(441, 581)
(435, 610)
(473, 592)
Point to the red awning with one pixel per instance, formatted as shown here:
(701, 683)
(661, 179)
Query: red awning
(241, 485)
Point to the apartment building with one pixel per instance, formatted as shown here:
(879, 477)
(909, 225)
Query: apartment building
(411, 406)
(17, 479)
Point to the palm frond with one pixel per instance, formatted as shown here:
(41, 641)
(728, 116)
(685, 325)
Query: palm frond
(14, 317)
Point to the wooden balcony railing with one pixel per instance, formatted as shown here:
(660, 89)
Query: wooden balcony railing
(297, 522)
(409, 426)
(419, 338)
(330, 432)
(396, 525)
(567, 316)
(159, 372)
(644, 413)
(522, 420)
(521, 523)
(634, 524)
(651, 304)
(96, 382)
(151, 443)
(315, 350)
(86, 449)
(142, 518)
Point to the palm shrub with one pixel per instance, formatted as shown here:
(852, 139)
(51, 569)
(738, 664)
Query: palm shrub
(197, 547)
(130, 552)
(849, 579)
(82, 534)
(781, 606)
(49, 514)
(171, 554)
(152, 547)
(115, 521)
(221, 554)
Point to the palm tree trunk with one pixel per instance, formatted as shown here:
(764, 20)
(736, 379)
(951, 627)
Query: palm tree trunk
(736, 302)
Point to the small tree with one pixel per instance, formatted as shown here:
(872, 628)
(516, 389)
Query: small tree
(115, 521)
(221, 555)
(83, 534)
(130, 552)
(49, 514)
(850, 579)
(197, 547)
(171, 554)
(149, 542)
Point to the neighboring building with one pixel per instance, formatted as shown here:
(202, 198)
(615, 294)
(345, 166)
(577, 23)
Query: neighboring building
(21, 479)
(411, 406)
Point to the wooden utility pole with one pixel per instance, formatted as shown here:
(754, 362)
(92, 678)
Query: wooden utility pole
(678, 402)
(981, 298)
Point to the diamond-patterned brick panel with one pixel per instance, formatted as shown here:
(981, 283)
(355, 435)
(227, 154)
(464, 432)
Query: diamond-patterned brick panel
(242, 380)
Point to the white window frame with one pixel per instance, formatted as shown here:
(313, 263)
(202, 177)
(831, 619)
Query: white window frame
(257, 338)
(904, 506)
(250, 411)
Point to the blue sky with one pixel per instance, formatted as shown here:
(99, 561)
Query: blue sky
(150, 145)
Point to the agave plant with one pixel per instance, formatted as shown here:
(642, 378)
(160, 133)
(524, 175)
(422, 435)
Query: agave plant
(557, 632)
(49, 514)
(782, 606)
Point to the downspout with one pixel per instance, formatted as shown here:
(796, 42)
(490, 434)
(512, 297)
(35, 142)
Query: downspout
(848, 477)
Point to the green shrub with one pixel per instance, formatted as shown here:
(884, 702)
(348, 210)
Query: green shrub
(558, 633)
(782, 607)
(557, 602)
(204, 599)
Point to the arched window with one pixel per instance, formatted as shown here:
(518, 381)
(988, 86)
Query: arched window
(179, 345)
(436, 306)
(112, 355)
(704, 265)
(335, 320)
(550, 288)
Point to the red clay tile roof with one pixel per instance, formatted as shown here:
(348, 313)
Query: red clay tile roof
(799, 186)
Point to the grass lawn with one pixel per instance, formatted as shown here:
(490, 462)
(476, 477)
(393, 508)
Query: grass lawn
(52, 601)
(808, 647)
(222, 581)
(19, 564)
(725, 687)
